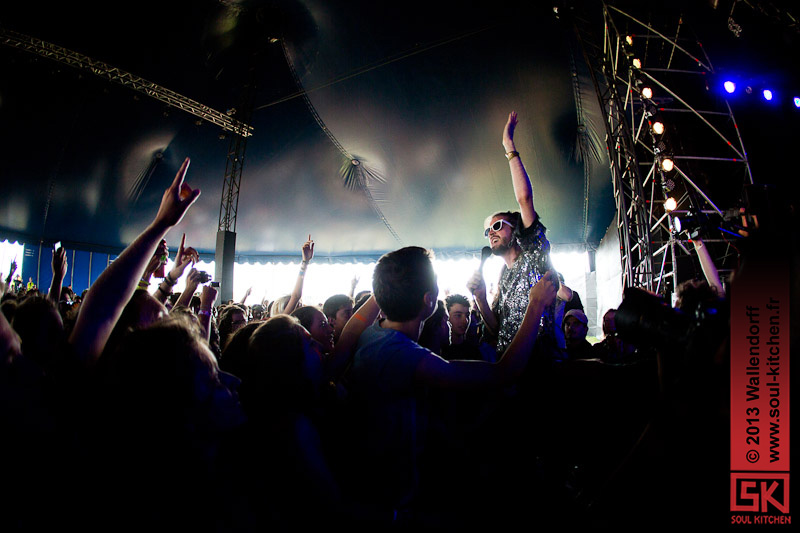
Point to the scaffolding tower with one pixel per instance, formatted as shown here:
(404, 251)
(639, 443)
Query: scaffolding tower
(677, 159)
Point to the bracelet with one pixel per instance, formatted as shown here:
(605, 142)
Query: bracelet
(511, 155)
(204, 312)
(170, 281)
(143, 284)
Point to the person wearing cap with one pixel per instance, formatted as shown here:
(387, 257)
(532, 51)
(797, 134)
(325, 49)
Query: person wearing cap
(575, 327)
(519, 238)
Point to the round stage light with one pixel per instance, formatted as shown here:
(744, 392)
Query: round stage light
(667, 164)
(637, 63)
(629, 40)
(767, 94)
(658, 128)
(797, 101)
(729, 86)
(647, 92)
(676, 222)
(670, 204)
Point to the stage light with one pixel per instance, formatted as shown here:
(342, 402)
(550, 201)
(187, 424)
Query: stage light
(797, 101)
(647, 92)
(767, 94)
(629, 40)
(658, 128)
(676, 222)
(667, 164)
(729, 86)
(670, 204)
(637, 63)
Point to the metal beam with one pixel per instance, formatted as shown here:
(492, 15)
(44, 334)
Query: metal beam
(113, 74)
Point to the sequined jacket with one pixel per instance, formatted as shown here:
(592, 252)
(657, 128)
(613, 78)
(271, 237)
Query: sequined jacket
(511, 299)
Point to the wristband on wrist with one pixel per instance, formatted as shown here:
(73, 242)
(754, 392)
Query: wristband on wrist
(169, 280)
(512, 154)
(204, 312)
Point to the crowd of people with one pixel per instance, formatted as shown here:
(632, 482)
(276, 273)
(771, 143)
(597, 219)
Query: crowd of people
(131, 407)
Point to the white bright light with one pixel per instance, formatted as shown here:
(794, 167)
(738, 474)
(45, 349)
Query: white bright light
(10, 252)
(797, 101)
(637, 63)
(647, 92)
(629, 40)
(658, 128)
(667, 164)
(670, 204)
(767, 94)
(729, 86)
(272, 280)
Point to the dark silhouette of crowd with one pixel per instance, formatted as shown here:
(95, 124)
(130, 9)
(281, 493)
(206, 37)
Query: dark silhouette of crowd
(133, 408)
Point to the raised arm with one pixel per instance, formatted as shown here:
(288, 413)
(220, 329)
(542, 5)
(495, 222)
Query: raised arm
(707, 264)
(59, 265)
(207, 298)
(184, 258)
(110, 293)
(297, 292)
(437, 372)
(345, 346)
(246, 294)
(477, 287)
(11, 271)
(519, 177)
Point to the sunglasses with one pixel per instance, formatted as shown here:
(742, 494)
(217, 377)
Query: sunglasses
(497, 226)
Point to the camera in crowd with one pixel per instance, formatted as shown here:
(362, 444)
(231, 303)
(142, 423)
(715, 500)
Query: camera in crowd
(205, 277)
(647, 321)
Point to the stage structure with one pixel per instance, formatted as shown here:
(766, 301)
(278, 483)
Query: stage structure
(677, 159)
(239, 130)
(110, 73)
(225, 255)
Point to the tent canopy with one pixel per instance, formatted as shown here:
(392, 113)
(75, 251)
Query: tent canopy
(416, 92)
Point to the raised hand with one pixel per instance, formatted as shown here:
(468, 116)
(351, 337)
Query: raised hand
(544, 291)
(308, 250)
(207, 297)
(476, 285)
(184, 258)
(508, 132)
(59, 263)
(176, 200)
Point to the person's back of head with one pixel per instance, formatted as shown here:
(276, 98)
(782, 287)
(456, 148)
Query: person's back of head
(334, 303)
(165, 377)
(694, 293)
(360, 299)
(400, 281)
(40, 327)
(141, 311)
(305, 314)
(279, 305)
(436, 332)
(233, 358)
(275, 374)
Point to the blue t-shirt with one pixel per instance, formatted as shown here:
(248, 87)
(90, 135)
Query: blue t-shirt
(388, 411)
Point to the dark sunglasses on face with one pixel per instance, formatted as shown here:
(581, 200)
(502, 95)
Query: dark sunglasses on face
(497, 225)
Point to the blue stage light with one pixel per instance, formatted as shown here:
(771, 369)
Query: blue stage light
(797, 101)
(729, 86)
(767, 94)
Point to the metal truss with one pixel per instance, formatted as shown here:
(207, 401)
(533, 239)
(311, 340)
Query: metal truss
(229, 205)
(103, 70)
(670, 135)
